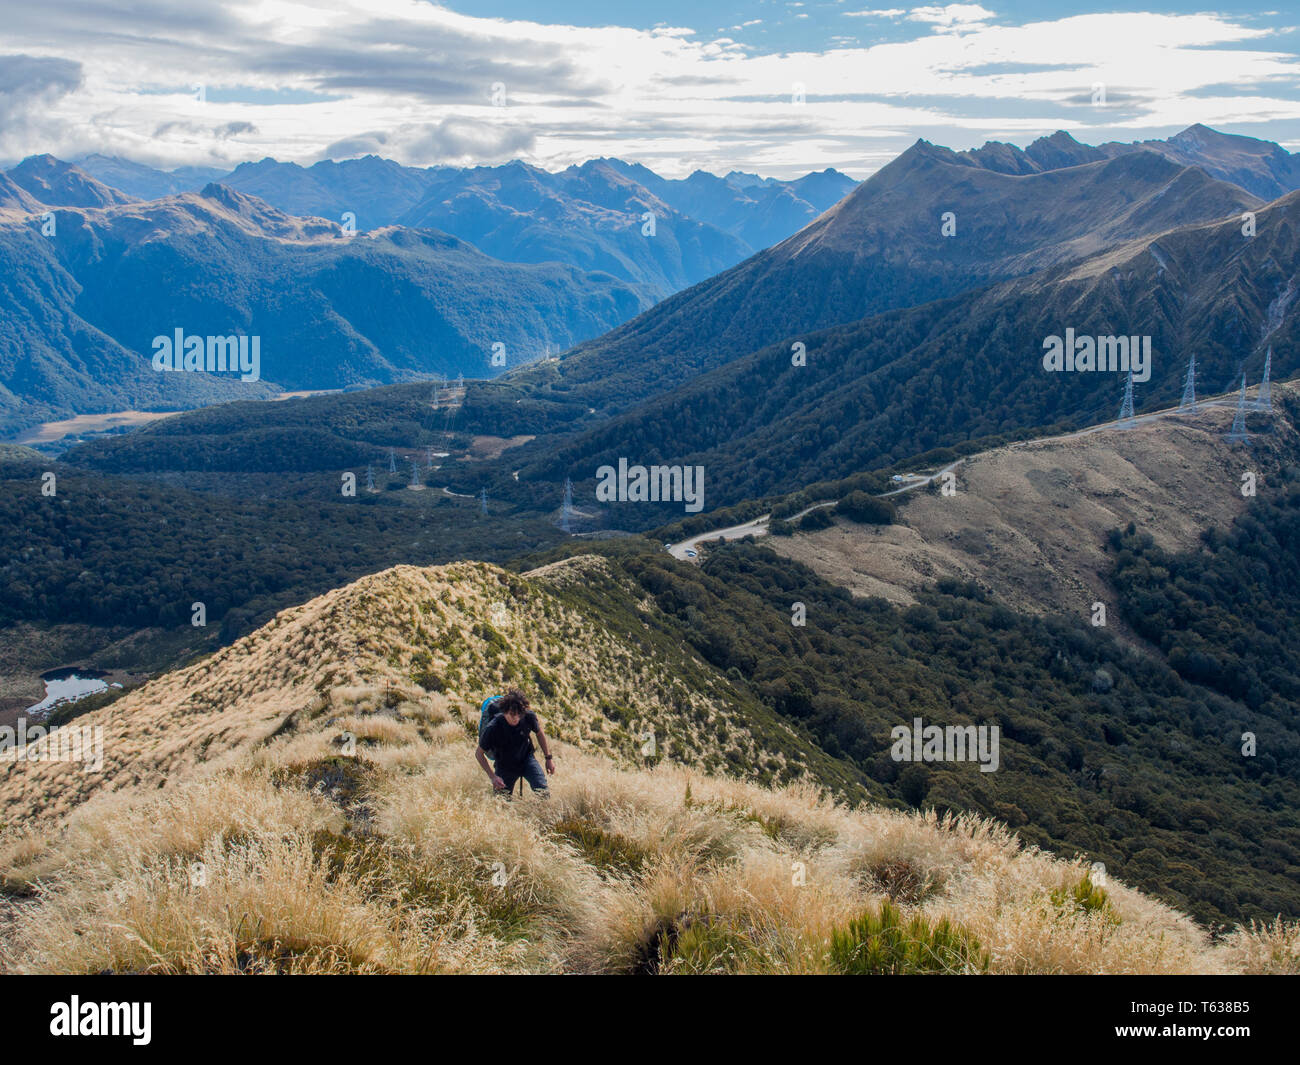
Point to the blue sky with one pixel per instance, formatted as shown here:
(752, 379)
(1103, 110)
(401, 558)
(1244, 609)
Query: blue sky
(779, 87)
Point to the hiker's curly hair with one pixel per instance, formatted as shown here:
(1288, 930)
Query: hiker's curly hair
(516, 700)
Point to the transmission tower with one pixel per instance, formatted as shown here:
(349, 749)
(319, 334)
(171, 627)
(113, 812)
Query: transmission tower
(370, 478)
(1265, 399)
(567, 510)
(415, 474)
(482, 501)
(1189, 387)
(1238, 431)
(1126, 408)
(392, 461)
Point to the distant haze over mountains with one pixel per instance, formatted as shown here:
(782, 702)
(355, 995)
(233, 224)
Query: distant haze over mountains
(589, 216)
(347, 272)
(883, 248)
(82, 306)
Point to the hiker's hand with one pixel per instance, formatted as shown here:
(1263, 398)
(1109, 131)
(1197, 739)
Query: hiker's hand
(498, 783)
(550, 764)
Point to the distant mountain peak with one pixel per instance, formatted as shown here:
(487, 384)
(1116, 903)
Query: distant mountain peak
(1061, 138)
(57, 183)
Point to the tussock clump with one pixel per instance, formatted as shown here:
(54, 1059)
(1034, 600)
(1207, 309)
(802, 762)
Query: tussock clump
(331, 864)
(887, 944)
(1264, 949)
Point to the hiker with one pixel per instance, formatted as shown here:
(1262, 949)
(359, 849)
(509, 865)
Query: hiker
(505, 725)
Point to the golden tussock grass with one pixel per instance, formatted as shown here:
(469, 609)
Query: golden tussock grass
(307, 861)
(331, 818)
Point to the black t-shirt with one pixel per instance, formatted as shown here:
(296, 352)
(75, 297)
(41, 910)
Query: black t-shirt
(512, 745)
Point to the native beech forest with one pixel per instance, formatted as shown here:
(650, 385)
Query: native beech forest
(1106, 750)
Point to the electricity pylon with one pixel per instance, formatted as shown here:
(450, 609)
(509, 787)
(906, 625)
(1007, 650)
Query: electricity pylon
(1189, 387)
(1265, 399)
(1238, 431)
(566, 511)
(1126, 408)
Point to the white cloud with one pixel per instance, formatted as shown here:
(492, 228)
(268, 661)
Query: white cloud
(413, 81)
(952, 16)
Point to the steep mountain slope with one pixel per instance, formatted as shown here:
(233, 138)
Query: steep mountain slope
(454, 631)
(305, 801)
(15, 198)
(759, 211)
(589, 216)
(147, 182)
(882, 247)
(377, 191)
(58, 184)
(81, 309)
(1261, 167)
(1032, 519)
(960, 369)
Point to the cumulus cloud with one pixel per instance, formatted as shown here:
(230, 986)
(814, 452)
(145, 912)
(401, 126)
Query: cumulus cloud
(29, 88)
(414, 81)
(28, 81)
(451, 141)
(952, 16)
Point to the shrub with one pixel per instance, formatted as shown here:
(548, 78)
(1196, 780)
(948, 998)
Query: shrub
(430, 681)
(865, 509)
(706, 946)
(888, 945)
(817, 519)
(1087, 897)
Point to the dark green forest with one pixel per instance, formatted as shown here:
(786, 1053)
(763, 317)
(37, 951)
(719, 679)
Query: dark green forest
(113, 550)
(1105, 750)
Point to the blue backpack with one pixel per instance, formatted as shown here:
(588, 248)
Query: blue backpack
(486, 713)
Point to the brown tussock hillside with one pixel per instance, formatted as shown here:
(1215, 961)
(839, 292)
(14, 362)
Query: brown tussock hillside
(1030, 520)
(399, 859)
(434, 638)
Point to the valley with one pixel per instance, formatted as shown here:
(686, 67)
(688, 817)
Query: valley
(732, 498)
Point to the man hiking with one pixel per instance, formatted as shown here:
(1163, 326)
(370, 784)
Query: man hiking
(508, 735)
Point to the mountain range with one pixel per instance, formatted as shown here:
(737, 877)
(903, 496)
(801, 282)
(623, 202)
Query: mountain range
(884, 247)
(588, 216)
(900, 332)
(543, 261)
(82, 307)
(910, 339)
(931, 225)
(1262, 168)
(873, 392)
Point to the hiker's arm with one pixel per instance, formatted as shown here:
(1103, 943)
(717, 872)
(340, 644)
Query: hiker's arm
(497, 782)
(546, 748)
